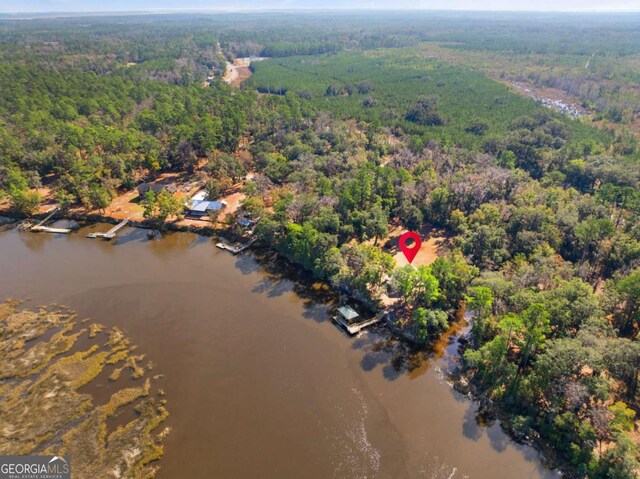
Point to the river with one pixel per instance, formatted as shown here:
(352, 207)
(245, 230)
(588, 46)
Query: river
(259, 382)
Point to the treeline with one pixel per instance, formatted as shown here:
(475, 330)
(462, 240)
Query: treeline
(89, 136)
(174, 50)
(181, 49)
(609, 34)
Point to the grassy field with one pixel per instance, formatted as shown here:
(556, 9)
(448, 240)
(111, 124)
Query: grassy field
(398, 79)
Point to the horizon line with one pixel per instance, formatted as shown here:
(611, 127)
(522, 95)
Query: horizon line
(306, 10)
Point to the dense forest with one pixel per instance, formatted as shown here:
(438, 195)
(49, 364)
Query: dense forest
(354, 128)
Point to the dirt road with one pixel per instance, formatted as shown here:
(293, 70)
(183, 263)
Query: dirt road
(238, 71)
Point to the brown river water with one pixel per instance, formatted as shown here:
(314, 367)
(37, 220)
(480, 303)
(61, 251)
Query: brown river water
(259, 382)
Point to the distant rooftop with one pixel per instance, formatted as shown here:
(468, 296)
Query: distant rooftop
(156, 188)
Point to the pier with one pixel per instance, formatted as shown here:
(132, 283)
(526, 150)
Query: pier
(47, 229)
(40, 227)
(111, 233)
(235, 249)
(356, 327)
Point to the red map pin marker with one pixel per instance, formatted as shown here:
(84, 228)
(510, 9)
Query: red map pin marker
(410, 252)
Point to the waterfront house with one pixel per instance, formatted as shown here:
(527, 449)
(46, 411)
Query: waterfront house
(198, 205)
(246, 222)
(157, 188)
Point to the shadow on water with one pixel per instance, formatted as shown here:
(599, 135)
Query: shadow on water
(383, 352)
(280, 277)
(199, 240)
(380, 350)
(246, 263)
(130, 235)
(33, 241)
(168, 241)
(396, 357)
(472, 426)
(478, 422)
(499, 440)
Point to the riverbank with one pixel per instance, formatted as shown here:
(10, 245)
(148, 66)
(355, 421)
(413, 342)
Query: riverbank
(490, 412)
(205, 229)
(267, 259)
(225, 330)
(385, 307)
(416, 354)
(222, 236)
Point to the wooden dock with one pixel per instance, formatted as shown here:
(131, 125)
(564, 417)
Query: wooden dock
(47, 229)
(355, 328)
(111, 233)
(235, 249)
(40, 227)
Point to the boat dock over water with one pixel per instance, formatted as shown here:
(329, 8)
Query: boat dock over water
(235, 249)
(41, 226)
(111, 233)
(347, 318)
(47, 229)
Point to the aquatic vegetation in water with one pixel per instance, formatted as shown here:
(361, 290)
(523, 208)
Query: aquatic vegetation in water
(44, 362)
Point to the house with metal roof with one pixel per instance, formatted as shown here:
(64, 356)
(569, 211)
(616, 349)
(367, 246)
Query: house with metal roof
(198, 205)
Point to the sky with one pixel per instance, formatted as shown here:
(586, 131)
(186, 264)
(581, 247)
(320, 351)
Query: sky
(32, 6)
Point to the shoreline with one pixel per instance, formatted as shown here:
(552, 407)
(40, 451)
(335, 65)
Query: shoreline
(376, 345)
(101, 218)
(460, 382)
(386, 323)
(490, 412)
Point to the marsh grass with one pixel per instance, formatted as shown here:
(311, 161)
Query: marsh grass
(42, 368)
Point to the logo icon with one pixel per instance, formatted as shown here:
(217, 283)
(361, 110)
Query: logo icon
(410, 252)
(35, 467)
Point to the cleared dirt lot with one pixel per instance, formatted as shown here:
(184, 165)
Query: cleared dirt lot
(434, 244)
(237, 72)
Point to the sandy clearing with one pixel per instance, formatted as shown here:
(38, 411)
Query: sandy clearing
(434, 244)
(239, 70)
